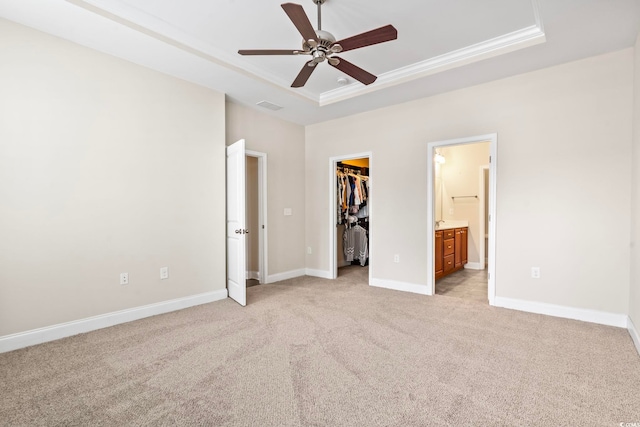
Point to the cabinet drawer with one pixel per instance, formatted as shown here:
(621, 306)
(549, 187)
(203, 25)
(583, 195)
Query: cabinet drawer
(449, 246)
(448, 234)
(448, 263)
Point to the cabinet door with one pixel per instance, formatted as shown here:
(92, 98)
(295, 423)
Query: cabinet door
(464, 244)
(458, 247)
(438, 252)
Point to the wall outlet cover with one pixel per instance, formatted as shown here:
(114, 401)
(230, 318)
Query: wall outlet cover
(535, 272)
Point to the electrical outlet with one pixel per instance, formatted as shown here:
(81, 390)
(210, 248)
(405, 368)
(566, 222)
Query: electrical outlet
(396, 258)
(288, 211)
(124, 278)
(309, 251)
(535, 272)
(164, 273)
(451, 211)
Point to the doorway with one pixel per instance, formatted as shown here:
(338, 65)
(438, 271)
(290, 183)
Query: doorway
(353, 221)
(461, 217)
(237, 223)
(256, 217)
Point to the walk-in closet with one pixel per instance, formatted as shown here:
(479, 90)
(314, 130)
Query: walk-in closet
(353, 196)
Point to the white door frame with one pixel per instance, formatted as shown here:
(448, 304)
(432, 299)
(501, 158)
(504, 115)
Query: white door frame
(493, 153)
(481, 216)
(263, 256)
(333, 214)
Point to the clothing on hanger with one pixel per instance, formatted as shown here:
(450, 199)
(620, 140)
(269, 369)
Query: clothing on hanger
(355, 244)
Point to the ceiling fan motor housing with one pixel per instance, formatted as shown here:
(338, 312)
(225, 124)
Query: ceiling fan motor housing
(320, 49)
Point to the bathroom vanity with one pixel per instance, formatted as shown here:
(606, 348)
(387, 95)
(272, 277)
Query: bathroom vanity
(451, 243)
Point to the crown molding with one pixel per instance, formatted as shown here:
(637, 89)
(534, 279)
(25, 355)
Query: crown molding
(154, 27)
(161, 30)
(501, 45)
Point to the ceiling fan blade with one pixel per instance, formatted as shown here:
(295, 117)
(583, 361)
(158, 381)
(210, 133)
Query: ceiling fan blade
(379, 35)
(354, 71)
(300, 20)
(304, 74)
(269, 52)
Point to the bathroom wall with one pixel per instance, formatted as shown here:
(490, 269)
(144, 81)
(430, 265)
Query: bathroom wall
(461, 176)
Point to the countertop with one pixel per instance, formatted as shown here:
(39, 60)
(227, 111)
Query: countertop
(449, 224)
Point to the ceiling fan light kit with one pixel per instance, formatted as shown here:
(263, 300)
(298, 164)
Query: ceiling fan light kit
(322, 45)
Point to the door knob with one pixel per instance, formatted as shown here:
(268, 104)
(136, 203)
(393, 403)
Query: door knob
(238, 231)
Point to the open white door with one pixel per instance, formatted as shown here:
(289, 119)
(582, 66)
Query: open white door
(236, 206)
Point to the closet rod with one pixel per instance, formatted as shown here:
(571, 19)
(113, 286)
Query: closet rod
(355, 171)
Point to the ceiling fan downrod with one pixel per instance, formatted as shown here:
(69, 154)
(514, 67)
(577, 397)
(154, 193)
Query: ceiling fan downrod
(319, 3)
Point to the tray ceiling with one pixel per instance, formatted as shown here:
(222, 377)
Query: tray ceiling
(440, 46)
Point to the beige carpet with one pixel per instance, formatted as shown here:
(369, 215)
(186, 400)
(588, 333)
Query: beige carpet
(313, 352)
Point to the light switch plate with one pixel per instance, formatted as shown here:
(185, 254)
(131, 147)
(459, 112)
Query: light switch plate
(288, 211)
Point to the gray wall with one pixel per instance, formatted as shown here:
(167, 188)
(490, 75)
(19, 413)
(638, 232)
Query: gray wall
(634, 305)
(105, 167)
(284, 144)
(563, 180)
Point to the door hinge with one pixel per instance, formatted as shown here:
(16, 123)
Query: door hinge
(489, 159)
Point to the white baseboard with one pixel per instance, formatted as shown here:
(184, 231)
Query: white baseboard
(63, 330)
(253, 275)
(286, 275)
(324, 274)
(593, 316)
(401, 286)
(474, 266)
(634, 334)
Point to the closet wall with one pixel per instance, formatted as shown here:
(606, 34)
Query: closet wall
(252, 219)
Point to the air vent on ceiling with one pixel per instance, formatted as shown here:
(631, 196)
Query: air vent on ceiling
(269, 105)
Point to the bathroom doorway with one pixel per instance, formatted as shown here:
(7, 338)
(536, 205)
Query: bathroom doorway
(462, 232)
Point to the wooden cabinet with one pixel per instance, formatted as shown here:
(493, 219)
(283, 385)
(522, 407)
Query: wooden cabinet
(450, 250)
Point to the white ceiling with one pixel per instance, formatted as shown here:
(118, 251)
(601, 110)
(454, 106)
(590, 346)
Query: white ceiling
(441, 45)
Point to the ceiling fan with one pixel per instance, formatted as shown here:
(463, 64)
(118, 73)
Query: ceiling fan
(321, 45)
